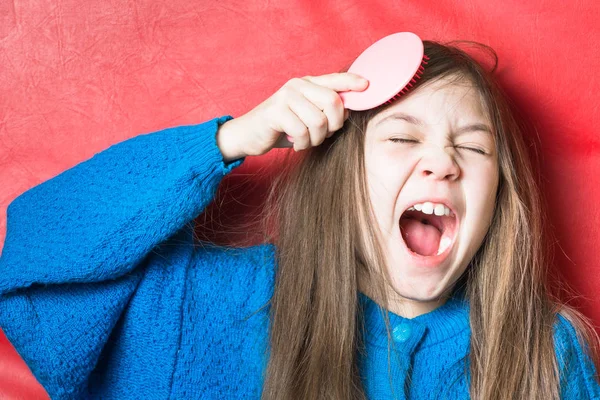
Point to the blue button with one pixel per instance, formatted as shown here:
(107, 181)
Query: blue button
(402, 332)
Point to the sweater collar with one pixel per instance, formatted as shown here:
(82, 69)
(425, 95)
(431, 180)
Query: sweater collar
(446, 321)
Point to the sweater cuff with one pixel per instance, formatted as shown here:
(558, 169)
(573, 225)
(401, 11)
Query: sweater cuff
(198, 145)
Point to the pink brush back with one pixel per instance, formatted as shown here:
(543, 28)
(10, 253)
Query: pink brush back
(389, 65)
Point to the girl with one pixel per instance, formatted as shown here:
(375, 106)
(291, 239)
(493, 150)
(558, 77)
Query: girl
(406, 262)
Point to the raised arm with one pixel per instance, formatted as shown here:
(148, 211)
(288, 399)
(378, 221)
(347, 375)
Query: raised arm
(77, 246)
(103, 248)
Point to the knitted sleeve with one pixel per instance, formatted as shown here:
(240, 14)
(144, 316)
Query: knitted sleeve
(578, 376)
(75, 243)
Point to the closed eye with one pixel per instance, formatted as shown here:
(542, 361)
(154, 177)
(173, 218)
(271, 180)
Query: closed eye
(400, 140)
(474, 149)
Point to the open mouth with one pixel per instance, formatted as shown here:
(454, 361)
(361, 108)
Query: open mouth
(428, 229)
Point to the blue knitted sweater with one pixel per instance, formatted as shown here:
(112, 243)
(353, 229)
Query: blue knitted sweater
(105, 294)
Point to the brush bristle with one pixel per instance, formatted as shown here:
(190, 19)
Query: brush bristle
(412, 82)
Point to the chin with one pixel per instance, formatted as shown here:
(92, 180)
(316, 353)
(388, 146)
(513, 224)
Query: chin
(425, 293)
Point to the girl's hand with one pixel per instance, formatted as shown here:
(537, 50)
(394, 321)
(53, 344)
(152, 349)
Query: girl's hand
(302, 113)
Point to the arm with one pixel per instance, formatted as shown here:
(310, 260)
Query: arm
(86, 248)
(77, 245)
(99, 219)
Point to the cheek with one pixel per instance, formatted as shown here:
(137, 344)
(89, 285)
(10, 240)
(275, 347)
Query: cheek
(387, 170)
(482, 197)
(385, 178)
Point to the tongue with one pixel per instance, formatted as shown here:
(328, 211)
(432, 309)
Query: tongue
(421, 238)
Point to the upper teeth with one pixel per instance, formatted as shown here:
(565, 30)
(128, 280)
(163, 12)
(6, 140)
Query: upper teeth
(431, 208)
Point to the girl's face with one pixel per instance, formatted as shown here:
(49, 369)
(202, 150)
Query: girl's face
(428, 154)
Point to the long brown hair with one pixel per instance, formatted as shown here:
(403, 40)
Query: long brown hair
(320, 211)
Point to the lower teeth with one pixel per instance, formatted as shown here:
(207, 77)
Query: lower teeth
(444, 244)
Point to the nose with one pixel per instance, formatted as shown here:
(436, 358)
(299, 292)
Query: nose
(439, 163)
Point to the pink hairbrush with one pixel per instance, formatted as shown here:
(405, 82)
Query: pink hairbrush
(391, 65)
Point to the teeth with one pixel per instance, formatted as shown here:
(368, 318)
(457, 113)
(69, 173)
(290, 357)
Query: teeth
(444, 244)
(427, 208)
(431, 208)
(439, 209)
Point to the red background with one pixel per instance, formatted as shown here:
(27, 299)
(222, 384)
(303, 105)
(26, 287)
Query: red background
(76, 77)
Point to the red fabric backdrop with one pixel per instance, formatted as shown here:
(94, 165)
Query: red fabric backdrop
(76, 77)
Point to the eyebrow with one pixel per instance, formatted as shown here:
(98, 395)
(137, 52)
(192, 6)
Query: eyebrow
(415, 121)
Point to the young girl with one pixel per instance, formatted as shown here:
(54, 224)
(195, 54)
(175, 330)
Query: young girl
(425, 208)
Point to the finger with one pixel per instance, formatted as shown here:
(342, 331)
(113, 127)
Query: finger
(312, 117)
(346, 115)
(293, 126)
(326, 100)
(340, 81)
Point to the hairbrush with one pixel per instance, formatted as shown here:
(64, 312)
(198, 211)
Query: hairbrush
(392, 66)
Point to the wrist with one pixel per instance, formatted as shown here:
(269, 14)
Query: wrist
(228, 140)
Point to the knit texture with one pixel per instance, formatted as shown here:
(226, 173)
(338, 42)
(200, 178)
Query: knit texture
(105, 293)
